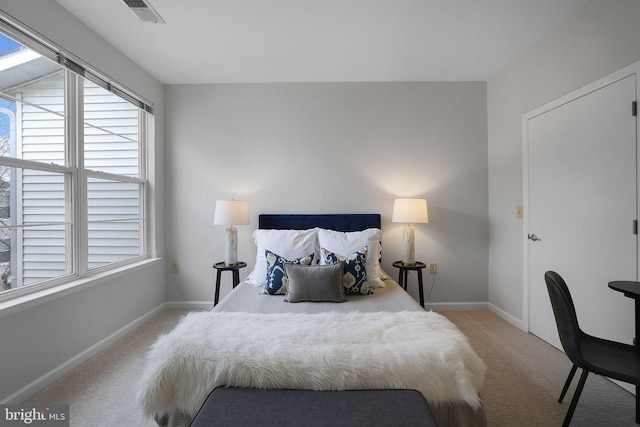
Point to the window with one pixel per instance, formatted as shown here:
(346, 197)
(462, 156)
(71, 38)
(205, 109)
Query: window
(72, 170)
(112, 162)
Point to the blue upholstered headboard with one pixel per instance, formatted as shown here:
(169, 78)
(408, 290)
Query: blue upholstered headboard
(338, 222)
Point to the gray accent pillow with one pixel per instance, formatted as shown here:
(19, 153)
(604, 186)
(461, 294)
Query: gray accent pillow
(315, 283)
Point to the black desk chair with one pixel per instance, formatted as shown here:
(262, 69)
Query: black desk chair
(603, 357)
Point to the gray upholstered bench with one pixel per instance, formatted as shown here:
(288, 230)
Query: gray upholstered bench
(266, 408)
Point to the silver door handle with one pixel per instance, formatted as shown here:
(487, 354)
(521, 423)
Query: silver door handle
(533, 237)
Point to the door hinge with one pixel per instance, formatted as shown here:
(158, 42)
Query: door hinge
(634, 108)
(635, 226)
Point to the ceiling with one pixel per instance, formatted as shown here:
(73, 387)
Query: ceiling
(242, 41)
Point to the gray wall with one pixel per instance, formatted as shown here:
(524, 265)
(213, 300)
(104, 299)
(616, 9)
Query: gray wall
(601, 38)
(329, 148)
(38, 340)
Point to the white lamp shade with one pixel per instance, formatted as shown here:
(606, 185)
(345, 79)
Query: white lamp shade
(231, 212)
(410, 211)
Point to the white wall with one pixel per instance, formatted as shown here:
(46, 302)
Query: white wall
(40, 339)
(601, 38)
(329, 148)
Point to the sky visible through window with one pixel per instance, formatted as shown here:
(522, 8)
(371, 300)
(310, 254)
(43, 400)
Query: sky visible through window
(6, 45)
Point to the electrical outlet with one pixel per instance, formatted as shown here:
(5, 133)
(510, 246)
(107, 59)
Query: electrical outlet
(175, 268)
(433, 268)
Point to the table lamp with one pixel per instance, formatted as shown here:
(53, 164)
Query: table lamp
(410, 211)
(231, 212)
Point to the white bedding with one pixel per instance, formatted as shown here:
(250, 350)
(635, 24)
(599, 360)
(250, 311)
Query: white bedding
(327, 351)
(389, 314)
(246, 297)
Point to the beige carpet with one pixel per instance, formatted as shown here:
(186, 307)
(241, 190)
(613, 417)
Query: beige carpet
(101, 392)
(523, 382)
(525, 376)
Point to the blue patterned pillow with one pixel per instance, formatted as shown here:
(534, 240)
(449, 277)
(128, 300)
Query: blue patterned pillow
(354, 279)
(275, 272)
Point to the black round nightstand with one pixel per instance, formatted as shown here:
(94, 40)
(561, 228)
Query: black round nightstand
(402, 276)
(235, 269)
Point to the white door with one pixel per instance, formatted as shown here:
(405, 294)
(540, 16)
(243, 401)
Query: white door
(581, 205)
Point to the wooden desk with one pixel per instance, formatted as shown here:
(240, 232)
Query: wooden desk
(631, 290)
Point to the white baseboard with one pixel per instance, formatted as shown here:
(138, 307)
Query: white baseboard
(518, 323)
(56, 373)
(190, 305)
(456, 306)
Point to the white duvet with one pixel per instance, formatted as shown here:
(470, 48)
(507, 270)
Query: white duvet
(328, 351)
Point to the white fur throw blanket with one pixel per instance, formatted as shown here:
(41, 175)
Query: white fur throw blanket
(330, 351)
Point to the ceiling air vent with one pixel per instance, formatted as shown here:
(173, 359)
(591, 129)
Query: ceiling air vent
(144, 11)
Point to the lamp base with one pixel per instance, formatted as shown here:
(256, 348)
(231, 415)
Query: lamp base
(231, 248)
(409, 241)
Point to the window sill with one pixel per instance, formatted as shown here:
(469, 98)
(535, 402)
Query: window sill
(21, 303)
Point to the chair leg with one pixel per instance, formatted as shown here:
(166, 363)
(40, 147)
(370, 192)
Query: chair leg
(576, 397)
(637, 405)
(567, 383)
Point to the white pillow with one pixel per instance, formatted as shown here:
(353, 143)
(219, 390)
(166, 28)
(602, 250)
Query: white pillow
(347, 243)
(289, 244)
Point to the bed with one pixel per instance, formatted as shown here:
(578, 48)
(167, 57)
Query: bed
(334, 322)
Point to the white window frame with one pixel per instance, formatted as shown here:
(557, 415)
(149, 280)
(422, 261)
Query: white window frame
(76, 176)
